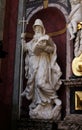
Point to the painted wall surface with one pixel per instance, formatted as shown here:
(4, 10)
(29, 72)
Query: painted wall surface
(2, 7)
(9, 42)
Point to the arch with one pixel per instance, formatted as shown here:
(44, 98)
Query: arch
(46, 15)
(62, 9)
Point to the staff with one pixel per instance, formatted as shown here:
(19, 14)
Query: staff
(21, 61)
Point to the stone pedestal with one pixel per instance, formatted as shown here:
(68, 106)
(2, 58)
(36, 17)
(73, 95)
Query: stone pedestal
(71, 122)
(73, 118)
(32, 124)
(72, 85)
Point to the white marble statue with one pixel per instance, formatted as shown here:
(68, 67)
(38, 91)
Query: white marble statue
(74, 17)
(43, 75)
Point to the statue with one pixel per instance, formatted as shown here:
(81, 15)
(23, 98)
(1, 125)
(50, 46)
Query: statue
(74, 17)
(43, 75)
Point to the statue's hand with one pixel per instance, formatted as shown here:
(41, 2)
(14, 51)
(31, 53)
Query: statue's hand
(41, 44)
(23, 35)
(49, 49)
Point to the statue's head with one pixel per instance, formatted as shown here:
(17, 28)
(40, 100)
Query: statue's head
(39, 24)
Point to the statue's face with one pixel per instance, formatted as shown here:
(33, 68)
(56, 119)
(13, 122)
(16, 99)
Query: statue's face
(38, 29)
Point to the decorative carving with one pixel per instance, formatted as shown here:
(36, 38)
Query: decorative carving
(74, 17)
(71, 84)
(78, 43)
(71, 122)
(75, 30)
(77, 65)
(45, 3)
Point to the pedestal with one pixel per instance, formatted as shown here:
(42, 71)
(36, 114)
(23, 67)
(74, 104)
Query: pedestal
(71, 122)
(33, 124)
(72, 86)
(73, 118)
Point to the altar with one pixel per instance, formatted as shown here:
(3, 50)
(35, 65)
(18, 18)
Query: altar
(69, 92)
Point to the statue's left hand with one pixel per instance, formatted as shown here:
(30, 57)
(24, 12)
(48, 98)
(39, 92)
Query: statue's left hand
(49, 49)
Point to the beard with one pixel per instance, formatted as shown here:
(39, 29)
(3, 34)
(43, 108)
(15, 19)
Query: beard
(37, 36)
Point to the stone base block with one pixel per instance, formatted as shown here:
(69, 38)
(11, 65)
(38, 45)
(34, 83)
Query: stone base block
(32, 124)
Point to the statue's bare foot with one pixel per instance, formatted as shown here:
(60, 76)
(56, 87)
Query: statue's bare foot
(38, 108)
(58, 102)
(23, 94)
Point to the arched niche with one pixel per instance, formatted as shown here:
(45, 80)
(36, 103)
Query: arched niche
(54, 18)
(55, 22)
(55, 25)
